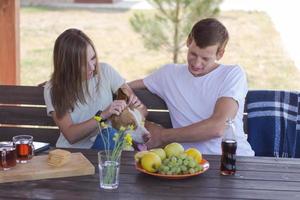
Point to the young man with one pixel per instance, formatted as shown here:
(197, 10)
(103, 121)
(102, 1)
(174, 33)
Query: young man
(201, 95)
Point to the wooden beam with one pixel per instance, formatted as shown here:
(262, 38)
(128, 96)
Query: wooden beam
(96, 1)
(9, 42)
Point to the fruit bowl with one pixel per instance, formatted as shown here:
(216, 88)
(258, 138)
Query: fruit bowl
(204, 163)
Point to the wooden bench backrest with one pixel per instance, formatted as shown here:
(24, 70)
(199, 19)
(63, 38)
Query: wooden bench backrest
(23, 111)
(158, 111)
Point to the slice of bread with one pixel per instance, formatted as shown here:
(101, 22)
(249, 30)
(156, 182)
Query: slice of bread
(58, 157)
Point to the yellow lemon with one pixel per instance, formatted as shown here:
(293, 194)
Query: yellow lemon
(160, 152)
(194, 153)
(138, 156)
(173, 149)
(150, 162)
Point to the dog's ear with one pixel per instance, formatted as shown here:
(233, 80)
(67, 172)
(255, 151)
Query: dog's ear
(121, 95)
(124, 119)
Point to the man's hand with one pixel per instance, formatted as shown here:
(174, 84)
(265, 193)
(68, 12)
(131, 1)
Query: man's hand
(156, 132)
(134, 101)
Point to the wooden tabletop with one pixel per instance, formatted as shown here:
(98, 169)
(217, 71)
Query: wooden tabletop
(256, 178)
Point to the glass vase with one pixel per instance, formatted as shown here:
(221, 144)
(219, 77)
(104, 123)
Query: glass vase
(109, 170)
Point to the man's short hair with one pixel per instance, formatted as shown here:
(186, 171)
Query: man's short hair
(208, 32)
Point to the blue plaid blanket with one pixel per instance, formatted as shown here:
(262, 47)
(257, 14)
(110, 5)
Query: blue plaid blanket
(274, 123)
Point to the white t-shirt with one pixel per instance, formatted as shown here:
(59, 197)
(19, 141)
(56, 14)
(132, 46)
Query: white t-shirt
(110, 82)
(192, 99)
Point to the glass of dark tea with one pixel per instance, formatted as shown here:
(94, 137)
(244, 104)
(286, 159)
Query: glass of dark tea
(7, 155)
(24, 147)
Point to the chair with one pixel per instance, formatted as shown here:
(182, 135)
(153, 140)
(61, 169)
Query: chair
(274, 123)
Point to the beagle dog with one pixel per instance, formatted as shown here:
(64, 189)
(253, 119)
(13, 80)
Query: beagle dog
(131, 116)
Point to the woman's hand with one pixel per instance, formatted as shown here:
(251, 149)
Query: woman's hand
(116, 107)
(134, 100)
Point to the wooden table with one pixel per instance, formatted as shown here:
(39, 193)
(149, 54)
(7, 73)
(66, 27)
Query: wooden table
(256, 178)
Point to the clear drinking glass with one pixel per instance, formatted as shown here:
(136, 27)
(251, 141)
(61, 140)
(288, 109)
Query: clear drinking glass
(109, 170)
(24, 148)
(7, 155)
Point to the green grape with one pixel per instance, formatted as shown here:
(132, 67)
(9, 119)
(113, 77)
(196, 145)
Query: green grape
(179, 164)
(183, 168)
(185, 162)
(166, 161)
(173, 170)
(191, 171)
(192, 164)
(171, 165)
(200, 167)
(189, 158)
(179, 161)
(182, 156)
(173, 159)
(161, 168)
(196, 168)
(166, 168)
(178, 170)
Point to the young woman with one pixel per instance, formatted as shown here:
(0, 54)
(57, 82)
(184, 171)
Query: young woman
(80, 88)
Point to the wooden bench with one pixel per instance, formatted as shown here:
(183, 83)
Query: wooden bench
(23, 111)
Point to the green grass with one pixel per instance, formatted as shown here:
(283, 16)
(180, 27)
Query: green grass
(254, 44)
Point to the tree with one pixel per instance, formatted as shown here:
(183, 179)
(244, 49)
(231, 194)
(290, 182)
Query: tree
(168, 26)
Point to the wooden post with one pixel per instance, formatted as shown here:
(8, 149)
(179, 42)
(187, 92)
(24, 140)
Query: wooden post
(9, 42)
